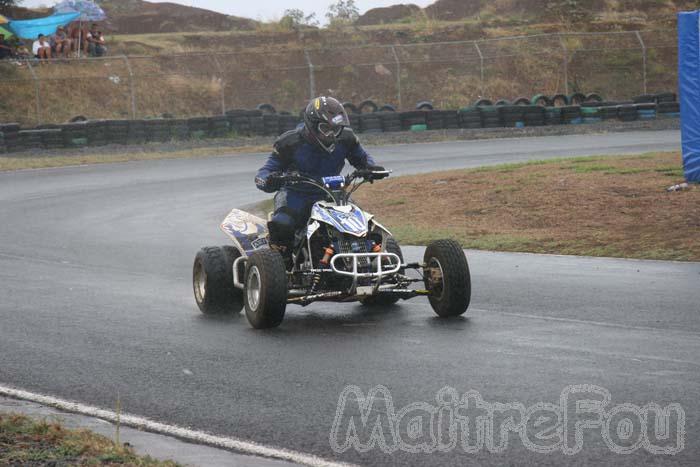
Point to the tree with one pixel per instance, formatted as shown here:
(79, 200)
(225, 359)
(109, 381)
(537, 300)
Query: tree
(295, 18)
(6, 4)
(343, 12)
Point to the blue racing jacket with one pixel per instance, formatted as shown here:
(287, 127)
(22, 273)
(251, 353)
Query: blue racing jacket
(293, 153)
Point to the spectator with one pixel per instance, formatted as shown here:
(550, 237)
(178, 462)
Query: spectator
(60, 43)
(5, 48)
(96, 42)
(41, 47)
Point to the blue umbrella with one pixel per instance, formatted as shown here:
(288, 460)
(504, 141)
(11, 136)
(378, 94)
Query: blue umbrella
(31, 28)
(89, 11)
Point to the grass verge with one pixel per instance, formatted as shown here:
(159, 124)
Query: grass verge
(24, 441)
(613, 206)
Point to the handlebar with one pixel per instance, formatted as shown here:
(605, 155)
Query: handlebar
(367, 175)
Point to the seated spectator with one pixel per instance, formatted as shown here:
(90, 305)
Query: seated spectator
(96, 42)
(5, 48)
(41, 47)
(60, 43)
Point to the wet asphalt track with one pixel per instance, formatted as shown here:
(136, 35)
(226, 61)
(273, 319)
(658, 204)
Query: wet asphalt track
(95, 264)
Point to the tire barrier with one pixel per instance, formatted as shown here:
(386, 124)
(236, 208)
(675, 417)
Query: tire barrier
(424, 105)
(350, 108)
(469, 118)
(266, 108)
(522, 101)
(261, 123)
(541, 100)
(387, 108)
(577, 98)
(367, 106)
(560, 100)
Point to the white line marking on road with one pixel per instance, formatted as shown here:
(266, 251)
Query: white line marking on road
(589, 322)
(200, 437)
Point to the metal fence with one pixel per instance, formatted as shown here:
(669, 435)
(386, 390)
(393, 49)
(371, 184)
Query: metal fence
(617, 65)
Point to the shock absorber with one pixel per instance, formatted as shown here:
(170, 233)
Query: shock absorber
(324, 264)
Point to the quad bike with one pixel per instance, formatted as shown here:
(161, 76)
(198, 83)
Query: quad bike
(342, 255)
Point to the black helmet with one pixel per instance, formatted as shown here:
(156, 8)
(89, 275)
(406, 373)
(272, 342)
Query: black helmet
(324, 119)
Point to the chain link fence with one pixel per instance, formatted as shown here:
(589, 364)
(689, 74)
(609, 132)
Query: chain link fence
(617, 65)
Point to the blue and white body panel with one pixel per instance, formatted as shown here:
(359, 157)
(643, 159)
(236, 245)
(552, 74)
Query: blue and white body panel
(247, 231)
(348, 219)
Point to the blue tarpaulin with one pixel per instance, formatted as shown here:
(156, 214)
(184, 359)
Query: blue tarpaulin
(31, 28)
(689, 88)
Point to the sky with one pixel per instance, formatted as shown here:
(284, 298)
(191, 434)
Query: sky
(266, 9)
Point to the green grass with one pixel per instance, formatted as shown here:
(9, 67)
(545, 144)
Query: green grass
(40, 442)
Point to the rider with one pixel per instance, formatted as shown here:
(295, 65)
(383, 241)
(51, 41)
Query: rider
(317, 148)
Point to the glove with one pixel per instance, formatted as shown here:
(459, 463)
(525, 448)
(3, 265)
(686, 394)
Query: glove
(271, 183)
(377, 168)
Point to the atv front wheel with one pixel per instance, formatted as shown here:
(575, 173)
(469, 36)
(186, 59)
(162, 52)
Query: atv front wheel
(212, 280)
(265, 294)
(392, 246)
(447, 278)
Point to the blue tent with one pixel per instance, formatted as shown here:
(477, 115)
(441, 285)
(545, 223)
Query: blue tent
(31, 28)
(689, 87)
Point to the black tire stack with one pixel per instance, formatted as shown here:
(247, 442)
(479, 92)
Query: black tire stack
(271, 124)
(136, 132)
(117, 131)
(219, 126)
(391, 121)
(178, 129)
(197, 127)
(489, 116)
(571, 114)
(668, 109)
(97, 133)
(30, 139)
(450, 118)
(10, 133)
(370, 123)
(413, 117)
(157, 130)
(469, 118)
(435, 120)
(607, 112)
(74, 134)
(552, 116)
(3, 148)
(355, 121)
(665, 97)
(627, 113)
(51, 138)
(239, 121)
(646, 111)
(511, 115)
(533, 115)
(287, 123)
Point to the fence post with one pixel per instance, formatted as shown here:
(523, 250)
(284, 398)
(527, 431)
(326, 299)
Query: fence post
(131, 87)
(566, 64)
(223, 83)
(398, 76)
(644, 59)
(481, 60)
(312, 79)
(37, 92)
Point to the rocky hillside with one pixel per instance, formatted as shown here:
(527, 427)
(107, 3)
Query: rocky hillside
(531, 10)
(140, 17)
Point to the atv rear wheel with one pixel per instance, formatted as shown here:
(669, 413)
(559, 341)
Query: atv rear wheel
(265, 294)
(447, 277)
(392, 246)
(212, 280)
